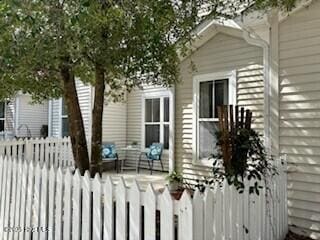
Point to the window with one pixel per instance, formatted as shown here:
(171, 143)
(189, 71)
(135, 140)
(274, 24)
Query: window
(64, 119)
(157, 121)
(2, 115)
(211, 91)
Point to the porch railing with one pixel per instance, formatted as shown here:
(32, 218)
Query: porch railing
(41, 203)
(50, 151)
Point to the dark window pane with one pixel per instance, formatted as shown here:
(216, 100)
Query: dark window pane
(1, 125)
(148, 110)
(2, 109)
(206, 106)
(152, 110)
(207, 139)
(220, 94)
(166, 136)
(166, 109)
(152, 134)
(64, 108)
(156, 110)
(65, 127)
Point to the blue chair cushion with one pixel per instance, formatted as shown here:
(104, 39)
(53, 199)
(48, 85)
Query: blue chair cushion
(155, 151)
(108, 151)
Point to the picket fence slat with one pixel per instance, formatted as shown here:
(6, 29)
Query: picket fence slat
(43, 204)
(166, 216)
(121, 210)
(18, 199)
(58, 206)
(198, 220)
(150, 208)
(50, 203)
(76, 201)
(97, 207)
(67, 201)
(86, 207)
(135, 212)
(13, 198)
(108, 224)
(7, 201)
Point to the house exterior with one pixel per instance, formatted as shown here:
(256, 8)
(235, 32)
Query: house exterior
(19, 117)
(268, 63)
(114, 117)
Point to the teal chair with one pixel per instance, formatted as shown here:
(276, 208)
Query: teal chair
(153, 154)
(109, 154)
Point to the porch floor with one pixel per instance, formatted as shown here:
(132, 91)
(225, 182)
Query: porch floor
(143, 178)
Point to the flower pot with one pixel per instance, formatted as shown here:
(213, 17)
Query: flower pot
(174, 186)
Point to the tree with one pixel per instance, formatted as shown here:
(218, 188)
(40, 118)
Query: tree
(123, 44)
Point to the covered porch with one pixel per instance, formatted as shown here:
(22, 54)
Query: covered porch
(143, 178)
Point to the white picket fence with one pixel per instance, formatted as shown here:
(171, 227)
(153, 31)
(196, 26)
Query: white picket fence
(41, 203)
(51, 151)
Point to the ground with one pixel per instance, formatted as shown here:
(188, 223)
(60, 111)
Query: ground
(293, 236)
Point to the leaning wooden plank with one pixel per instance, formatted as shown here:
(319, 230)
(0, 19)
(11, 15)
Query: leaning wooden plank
(108, 223)
(121, 211)
(150, 208)
(76, 206)
(166, 216)
(135, 212)
(86, 206)
(97, 208)
(185, 226)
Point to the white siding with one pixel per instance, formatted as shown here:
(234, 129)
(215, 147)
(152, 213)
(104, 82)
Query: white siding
(300, 115)
(32, 115)
(85, 101)
(84, 96)
(55, 118)
(114, 124)
(10, 116)
(222, 53)
(134, 125)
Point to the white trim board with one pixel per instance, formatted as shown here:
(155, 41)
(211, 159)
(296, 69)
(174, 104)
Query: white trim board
(160, 93)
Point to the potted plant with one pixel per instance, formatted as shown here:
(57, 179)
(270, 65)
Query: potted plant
(175, 180)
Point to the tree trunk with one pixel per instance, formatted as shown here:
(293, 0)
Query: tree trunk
(76, 127)
(97, 113)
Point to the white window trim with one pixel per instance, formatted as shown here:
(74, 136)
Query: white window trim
(61, 116)
(231, 76)
(4, 118)
(160, 93)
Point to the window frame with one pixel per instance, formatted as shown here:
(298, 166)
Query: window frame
(4, 116)
(62, 116)
(197, 79)
(155, 94)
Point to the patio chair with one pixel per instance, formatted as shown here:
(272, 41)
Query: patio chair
(109, 154)
(154, 153)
